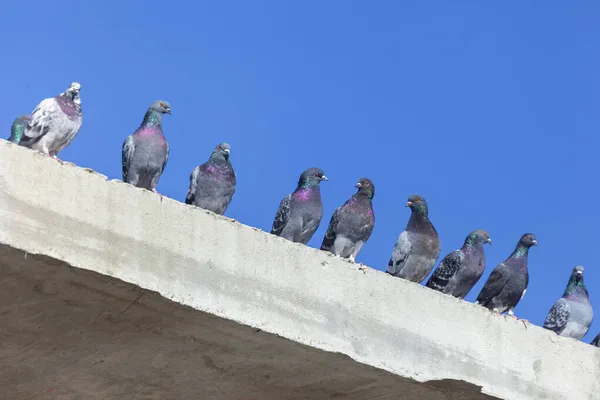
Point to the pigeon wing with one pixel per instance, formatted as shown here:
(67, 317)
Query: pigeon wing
(558, 317)
(127, 154)
(282, 216)
(329, 238)
(494, 284)
(191, 194)
(446, 270)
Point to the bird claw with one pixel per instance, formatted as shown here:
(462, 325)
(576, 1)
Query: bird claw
(159, 195)
(58, 159)
(524, 321)
(363, 269)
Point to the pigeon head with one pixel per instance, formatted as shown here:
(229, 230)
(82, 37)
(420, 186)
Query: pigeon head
(221, 151)
(417, 204)
(576, 287)
(72, 91)
(577, 275)
(161, 107)
(312, 177)
(528, 240)
(18, 127)
(365, 185)
(479, 236)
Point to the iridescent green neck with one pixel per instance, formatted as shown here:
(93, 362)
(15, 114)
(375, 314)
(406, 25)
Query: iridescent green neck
(217, 156)
(152, 119)
(364, 193)
(421, 209)
(470, 241)
(16, 133)
(575, 289)
(520, 252)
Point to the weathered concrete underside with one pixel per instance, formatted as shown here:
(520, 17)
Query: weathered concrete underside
(72, 333)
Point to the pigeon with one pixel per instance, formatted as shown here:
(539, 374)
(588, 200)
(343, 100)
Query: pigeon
(571, 316)
(596, 341)
(18, 128)
(351, 224)
(54, 123)
(507, 283)
(460, 270)
(418, 247)
(212, 184)
(300, 213)
(146, 151)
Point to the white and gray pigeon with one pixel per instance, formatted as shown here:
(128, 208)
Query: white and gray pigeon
(55, 122)
(418, 246)
(572, 315)
(508, 282)
(300, 213)
(352, 223)
(460, 270)
(146, 151)
(212, 184)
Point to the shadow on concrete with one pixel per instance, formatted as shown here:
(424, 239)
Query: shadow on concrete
(68, 333)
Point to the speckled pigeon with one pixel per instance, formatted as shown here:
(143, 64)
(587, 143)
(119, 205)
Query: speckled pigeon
(18, 128)
(299, 213)
(508, 282)
(212, 184)
(460, 270)
(571, 316)
(55, 122)
(352, 223)
(418, 246)
(146, 151)
(596, 341)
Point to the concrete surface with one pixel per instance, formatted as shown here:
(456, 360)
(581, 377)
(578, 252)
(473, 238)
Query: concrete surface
(78, 334)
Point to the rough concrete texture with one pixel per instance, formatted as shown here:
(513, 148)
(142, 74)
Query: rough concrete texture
(229, 270)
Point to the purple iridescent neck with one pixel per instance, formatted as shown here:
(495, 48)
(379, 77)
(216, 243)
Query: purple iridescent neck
(307, 193)
(68, 106)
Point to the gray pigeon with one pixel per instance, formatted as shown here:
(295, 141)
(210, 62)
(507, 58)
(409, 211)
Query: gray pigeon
(596, 341)
(18, 128)
(460, 270)
(212, 184)
(54, 123)
(299, 213)
(571, 316)
(351, 224)
(146, 151)
(418, 246)
(508, 282)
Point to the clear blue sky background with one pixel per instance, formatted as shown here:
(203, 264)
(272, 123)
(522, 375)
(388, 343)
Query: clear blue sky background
(490, 110)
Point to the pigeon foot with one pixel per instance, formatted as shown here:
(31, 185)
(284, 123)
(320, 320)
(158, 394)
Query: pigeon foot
(159, 195)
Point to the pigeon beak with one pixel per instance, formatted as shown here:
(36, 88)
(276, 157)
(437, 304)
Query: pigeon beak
(535, 243)
(579, 273)
(324, 178)
(169, 111)
(227, 151)
(489, 241)
(358, 185)
(408, 204)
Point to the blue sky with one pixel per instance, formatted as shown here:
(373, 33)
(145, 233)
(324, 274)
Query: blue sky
(487, 109)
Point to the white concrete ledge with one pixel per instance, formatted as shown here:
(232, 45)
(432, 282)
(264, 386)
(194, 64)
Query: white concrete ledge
(219, 266)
